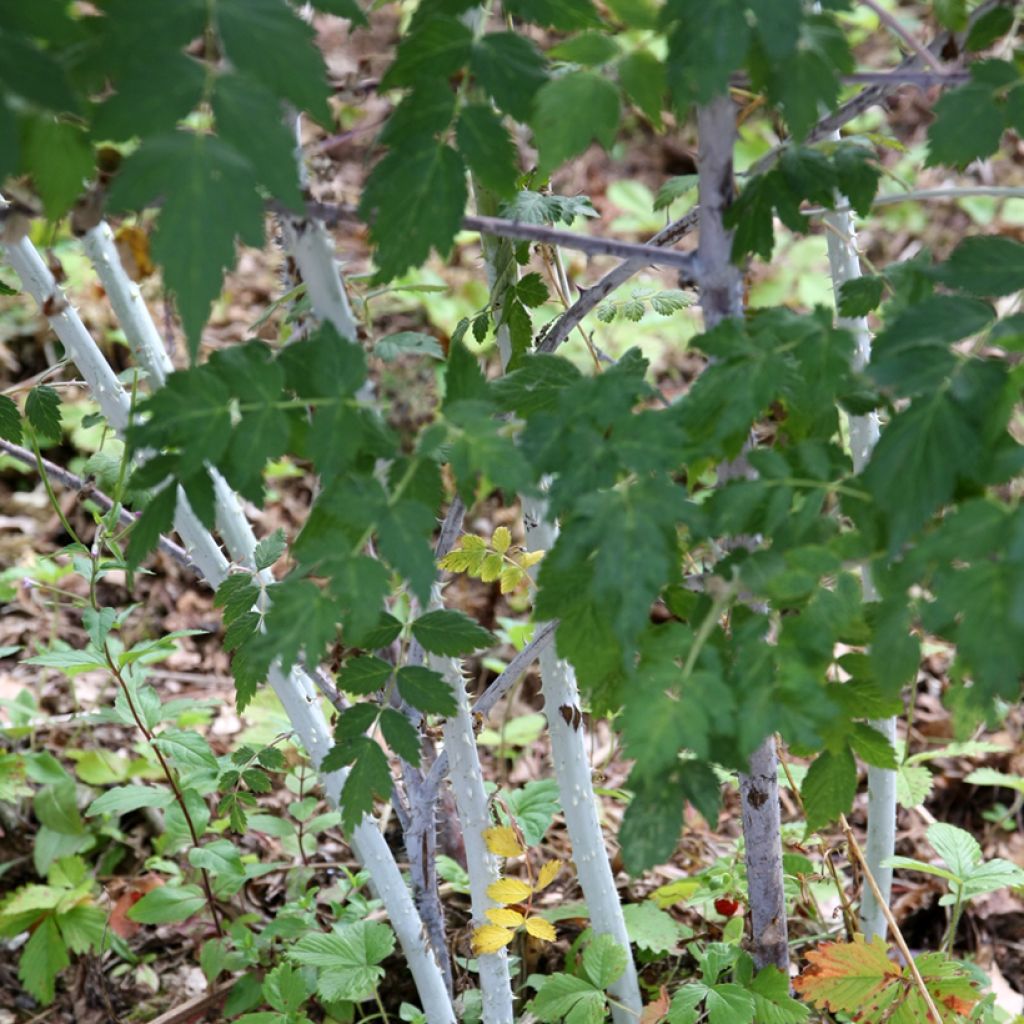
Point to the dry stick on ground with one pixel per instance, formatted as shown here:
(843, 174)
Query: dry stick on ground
(590, 298)
(296, 692)
(721, 298)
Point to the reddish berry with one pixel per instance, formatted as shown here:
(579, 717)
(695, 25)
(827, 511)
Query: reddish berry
(726, 907)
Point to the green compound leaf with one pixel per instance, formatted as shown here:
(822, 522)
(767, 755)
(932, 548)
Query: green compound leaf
(487, 148)
(511, 69)
(451, 633)
(268, 41)
(594, 102)
(604, 960)
(347, 958)
(404, 537)
(270, 549)
(42, 409)
(301, 620)
(829, 787)
(10, 420)
(209, 200)
(426, 690)
(432, 181)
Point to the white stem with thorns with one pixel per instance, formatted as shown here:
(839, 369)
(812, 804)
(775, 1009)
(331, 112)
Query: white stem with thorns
(294, 690)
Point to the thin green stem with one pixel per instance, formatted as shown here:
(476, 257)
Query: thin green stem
(41, 468)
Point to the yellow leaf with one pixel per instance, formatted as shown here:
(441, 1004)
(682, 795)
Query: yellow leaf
(490, 568)
(489, 938)
(548, 871)
(540, 929)
(511, 577)
(529, 558)
(508, 890)
(505, 917)
(501, 539)
(502, 841)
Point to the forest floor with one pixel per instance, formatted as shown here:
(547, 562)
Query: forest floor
(34, 575)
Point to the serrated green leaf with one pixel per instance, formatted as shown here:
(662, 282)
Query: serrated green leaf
(989, 265)
(42, 410)
(368, 776)
(209, 199)
(860, 296)
(187, 750)
(913, 784)
(400, 735)
(239, 103)
(284, 988)
(645, 81)
(872, 747)
(487, 148)
(650, 928)
(564, 997)
(436, 47)
(604, 960)
(343, 9)
(137, 109)
(236, 595)
(414, 343)
(431, 180)
(42, 959)
(968, 125)
(268, 41)
(673, 189)
(301, 620)
(30, 72)
(595, 102)
(364, 675)
(706, 43)
(59, 158)
(531, 290)
(168, 905)
(772, 1002)
(347, 958)
(511, 69)
(157, 518)
(561, 14)
(426, 690)
(829, 787)
(450, 632)
(588, 48)
(270, 549)
(534, 807)
(403, 535)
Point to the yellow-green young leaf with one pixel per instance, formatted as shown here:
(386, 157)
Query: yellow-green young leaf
(490, 567)
(501, 539)
(511, 577)
(456, 561)
(509, 890)
(505, 917)
(528, 559)
(547, 874)
(489, 938)
(541, 929)
(503, 841)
